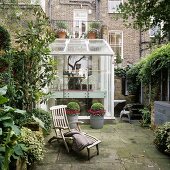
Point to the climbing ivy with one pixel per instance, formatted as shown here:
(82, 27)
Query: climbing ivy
(159, 59)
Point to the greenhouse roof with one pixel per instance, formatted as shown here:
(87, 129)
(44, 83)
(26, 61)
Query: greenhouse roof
(81, 47)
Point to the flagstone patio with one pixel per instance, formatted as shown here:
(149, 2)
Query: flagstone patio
(124, 147)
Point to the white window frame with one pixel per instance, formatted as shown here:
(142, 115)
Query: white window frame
(113, 5)
(78, 20)
(154, 30)
(119, 45)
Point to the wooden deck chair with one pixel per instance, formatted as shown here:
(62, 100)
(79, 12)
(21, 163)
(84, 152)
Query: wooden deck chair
(61, 126)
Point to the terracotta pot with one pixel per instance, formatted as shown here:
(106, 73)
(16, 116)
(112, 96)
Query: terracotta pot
(91, 35)
(61, 34)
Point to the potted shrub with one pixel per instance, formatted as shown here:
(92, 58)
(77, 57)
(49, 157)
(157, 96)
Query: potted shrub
(93, 30)
(61, 29)
(72, 111)
(97, 115)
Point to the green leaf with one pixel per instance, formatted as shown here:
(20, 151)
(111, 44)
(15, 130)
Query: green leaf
(2, 149)
(8, 108)
(5, 118)
(3, 90)
(3, 100)
(18, 150)
(20, 111)
(0, 131)
(41, 124)
(16, 129)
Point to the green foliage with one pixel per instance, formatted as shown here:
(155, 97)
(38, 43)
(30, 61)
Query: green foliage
(4, 39)
(34, 142)
(120, 72)
(32, 65)
(148, 69)
(146, 116)
(94, 26)
(9, 134)
(118, 59)
(73, 106)
(146, 14)
(61, 25)
(162, 137)
(157, 60)
(45, 117)
(97, 106)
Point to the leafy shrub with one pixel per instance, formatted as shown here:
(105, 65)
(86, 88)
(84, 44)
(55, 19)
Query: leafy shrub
(97, 106)
(162, 138)
(45, 117)
(34, 141)
(73, 106)
(146, 116)
(9, 134)
(97, 109)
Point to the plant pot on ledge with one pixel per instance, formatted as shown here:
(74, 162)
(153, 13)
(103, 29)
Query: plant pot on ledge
(62, 34)
(92, 35)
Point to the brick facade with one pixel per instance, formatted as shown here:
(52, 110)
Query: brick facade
(63, 10)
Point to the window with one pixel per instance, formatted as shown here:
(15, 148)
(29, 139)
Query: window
(113, 5)
(154, 31)
(80, 23)
(116, 42)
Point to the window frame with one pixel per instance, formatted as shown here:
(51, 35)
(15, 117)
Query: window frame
(115, 45)
(112, 11)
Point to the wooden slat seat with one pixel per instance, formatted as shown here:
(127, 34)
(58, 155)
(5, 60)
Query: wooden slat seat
(61, 127)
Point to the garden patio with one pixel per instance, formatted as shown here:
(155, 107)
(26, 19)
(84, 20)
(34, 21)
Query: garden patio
(124, 146)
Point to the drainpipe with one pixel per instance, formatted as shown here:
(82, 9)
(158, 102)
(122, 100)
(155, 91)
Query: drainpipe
(97, 10)
(50, 10)
(140, 43)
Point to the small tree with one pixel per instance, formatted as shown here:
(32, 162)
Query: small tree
(32, 65)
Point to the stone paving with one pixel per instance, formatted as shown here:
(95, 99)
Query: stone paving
(124, 147)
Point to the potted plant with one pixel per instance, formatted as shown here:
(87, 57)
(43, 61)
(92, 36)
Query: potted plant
(93, 29)
(61, 29)
(97, 115)
(72, 111)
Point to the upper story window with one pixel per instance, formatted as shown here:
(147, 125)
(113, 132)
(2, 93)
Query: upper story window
(113, 5)
(116, 42)
(155, 30)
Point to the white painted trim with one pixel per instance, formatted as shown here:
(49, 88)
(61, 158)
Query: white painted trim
(117, 31)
